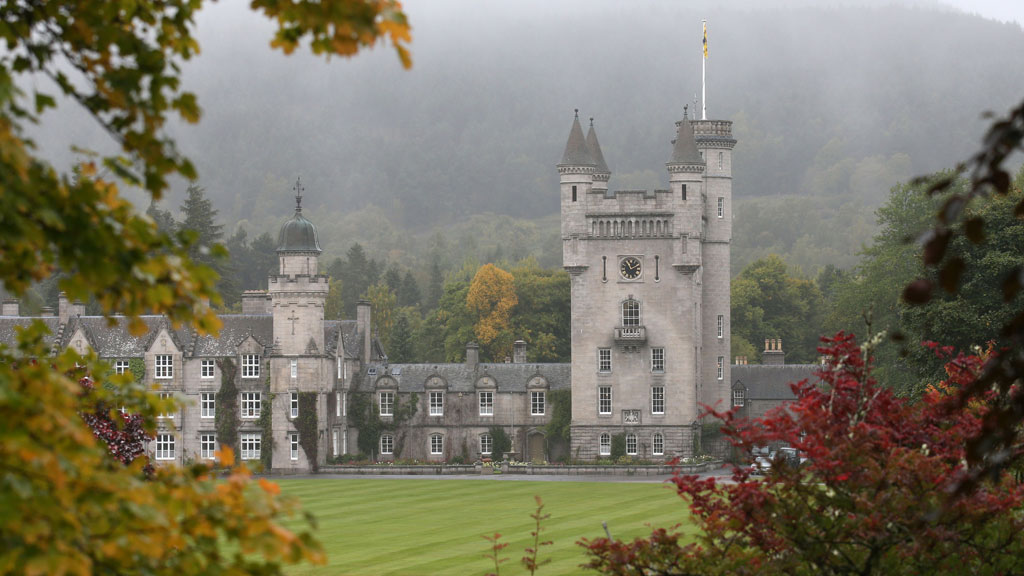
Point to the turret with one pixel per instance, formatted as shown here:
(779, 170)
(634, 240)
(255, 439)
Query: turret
(601, 171)
(298, 293)
(577, 178)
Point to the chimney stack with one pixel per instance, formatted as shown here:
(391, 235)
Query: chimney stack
(773, 354)
(46, 312)
(364, 326)
(255, 302)
(519, 352)
(472, 356)
(63, 310)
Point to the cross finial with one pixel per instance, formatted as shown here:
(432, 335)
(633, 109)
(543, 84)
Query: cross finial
(577, 113)
(298, 194)
(591, 121)
(685, 107)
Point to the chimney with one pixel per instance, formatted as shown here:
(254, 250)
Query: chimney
(364, 326)
(10, 307)
(46, 312)
(472, 356)
(77, 308)
(62, 307)
(773, 354)
(255, 302)
(519, 352)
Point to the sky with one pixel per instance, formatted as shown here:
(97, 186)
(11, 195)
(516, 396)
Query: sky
(1004, 10)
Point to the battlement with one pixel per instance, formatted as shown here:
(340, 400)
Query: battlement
(300, 279)
(631, 226)
(713, 132)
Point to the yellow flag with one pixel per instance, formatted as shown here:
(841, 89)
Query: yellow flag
(705, 40)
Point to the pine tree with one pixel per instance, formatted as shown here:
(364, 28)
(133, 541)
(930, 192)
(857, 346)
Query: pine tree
(401, 341)
(436, 287)
(200, 216)
(409, 291)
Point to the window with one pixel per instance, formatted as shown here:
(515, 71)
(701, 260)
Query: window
(437, 403)
(630, 313)
(166, 396)
(631, 444)
(206, 369)
(739, 397)
(436, 444)
(207, 446)
(487, 403)
(721, 367)
(164, 366)
(684, 192)
(293, 404)
(658, 400)
(165, 446)
(293, 440)
(334, 441)
(604, 400)
(250, 404)
(340, 374)
(574, 193)
(387, 444)
(120, 366)
(720, 159)
(337, 403)
(658, 444)
(537, 403)
(295, 369)
(387, 403)
(604, 359)
(657, 359)
(250, 446)
(250, 365)
(721, 207)
(207, 405)
(606, 444)
(486, 444)
(721, 326)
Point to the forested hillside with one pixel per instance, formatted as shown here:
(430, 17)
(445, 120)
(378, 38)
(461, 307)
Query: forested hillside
(831, 107)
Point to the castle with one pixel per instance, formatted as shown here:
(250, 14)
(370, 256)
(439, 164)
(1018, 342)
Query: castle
(649, 273)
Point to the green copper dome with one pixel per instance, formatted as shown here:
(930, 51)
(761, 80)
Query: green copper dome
(298, 234)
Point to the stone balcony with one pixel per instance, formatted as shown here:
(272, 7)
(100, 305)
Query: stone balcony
(630, 334)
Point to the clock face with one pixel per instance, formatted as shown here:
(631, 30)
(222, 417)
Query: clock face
(630, 268)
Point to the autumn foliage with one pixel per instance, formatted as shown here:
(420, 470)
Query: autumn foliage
(881, 492)
(492, 296)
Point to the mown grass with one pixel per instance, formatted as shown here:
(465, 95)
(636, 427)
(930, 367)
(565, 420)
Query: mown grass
(435, 526)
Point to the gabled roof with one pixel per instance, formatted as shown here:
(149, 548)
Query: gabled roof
(594, 147)
(112, 339)
(8, 325)
(460, 378)
(771, 382)
(236, 328)
(576, 152)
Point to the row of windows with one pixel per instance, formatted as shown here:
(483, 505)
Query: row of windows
(604, 361)
(387, 444)
(250, 444)
(604, 400)
(251, 404)
(632, 445)
(164, 367)
(538, 401)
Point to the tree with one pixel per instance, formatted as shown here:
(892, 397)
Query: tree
(205, 234)
(541, 317)
(356, 275)
(435, 289)
(382, 311)
(68, 506)
(491, 298)
(401, 349)
(768, 302)
(409, 291)
(877, 495)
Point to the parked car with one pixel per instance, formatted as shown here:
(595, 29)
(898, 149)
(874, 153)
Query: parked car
(760, 466)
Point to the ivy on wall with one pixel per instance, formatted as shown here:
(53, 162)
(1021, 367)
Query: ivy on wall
(364, 415)
(561, 415)
(308, 428)
(266, 424)
(226, 413)
(500, 442)
(137, 366)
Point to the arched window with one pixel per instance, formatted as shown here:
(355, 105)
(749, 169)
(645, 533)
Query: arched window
(658, 444)
(486, 444)
(630, 313)
(631, 444)
(606, 444)
(436, 444)
(387, 444)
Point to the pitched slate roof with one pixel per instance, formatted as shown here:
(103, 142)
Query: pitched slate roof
(236, 328)
(771, 382)
(8, 324)
(594, 147)
(685, 145)
(460, 378)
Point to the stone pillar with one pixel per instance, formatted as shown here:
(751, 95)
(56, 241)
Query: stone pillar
(10, 307)
(472, 356)
(519, 352)
(364, 324)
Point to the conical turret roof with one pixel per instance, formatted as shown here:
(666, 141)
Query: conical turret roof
(685, 149)
(595, 151)
(576, 152)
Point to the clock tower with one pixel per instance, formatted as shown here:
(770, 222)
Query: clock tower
(649, 274)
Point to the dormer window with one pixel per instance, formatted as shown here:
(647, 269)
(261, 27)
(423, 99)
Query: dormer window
(164, 366)
(250, 365)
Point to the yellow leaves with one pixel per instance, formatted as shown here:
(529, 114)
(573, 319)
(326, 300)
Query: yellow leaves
(270, 487)
(491, 296)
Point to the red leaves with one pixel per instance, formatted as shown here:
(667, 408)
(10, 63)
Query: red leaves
(879, 494)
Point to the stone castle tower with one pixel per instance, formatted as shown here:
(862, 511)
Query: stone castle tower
(649, 273)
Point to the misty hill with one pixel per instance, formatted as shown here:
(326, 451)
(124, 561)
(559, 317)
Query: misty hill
(831, 107)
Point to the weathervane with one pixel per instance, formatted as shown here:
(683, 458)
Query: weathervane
(298, 194)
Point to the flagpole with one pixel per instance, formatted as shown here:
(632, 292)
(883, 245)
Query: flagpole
(703, 76)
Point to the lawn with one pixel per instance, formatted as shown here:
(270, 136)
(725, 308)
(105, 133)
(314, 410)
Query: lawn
(428, 526)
